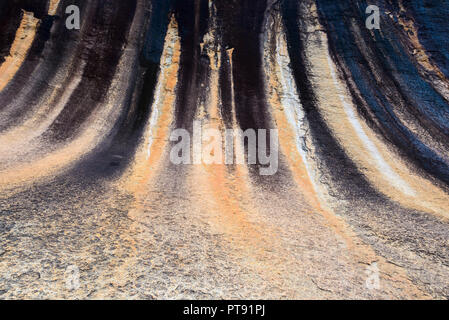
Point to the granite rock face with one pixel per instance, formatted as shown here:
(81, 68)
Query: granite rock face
(93, 206)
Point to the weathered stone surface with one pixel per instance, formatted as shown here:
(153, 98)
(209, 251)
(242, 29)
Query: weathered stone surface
(92, 207)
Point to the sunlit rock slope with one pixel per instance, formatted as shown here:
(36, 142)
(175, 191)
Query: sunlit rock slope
(86, 182)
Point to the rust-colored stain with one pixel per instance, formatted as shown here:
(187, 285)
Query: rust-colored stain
(87, 182)
(22, 43)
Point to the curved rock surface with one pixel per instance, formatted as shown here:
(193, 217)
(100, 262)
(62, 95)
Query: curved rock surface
(92, 207)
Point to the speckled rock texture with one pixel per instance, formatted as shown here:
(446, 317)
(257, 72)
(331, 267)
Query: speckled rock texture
(92, 207)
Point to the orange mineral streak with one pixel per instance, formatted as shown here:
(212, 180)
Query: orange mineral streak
(59, 158)
(65, 155)
(288, 147)
(300, 174)
(22, 43)
(150, 156)
(399, 183)
(241, 171)
(19, 136)
(224, 195)
(307, 189)
(53, 7)
(224, 183)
